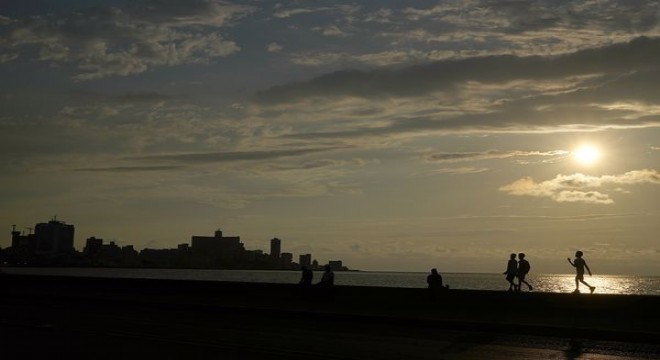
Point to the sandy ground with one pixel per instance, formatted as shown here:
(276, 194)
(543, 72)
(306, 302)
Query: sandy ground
(62, 318)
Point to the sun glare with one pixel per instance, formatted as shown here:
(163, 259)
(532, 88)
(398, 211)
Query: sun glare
(586, 155)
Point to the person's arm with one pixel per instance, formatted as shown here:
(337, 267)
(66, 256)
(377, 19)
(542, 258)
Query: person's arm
(570, 262)
(587, 267)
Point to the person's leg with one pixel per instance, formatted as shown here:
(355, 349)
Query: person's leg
(591, 288)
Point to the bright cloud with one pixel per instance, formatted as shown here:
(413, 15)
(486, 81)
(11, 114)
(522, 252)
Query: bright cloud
(577, 187)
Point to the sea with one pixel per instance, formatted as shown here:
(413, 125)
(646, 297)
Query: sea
(552, 283)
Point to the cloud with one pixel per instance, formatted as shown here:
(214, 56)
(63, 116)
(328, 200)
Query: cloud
(286, 13)
(383, 58)
(274, 47)
(125, 169)
(331, 31)
(611, 87)
(489, 154)
(107, 41)
(231, 156)
(576, 187)
(445, 75)
(459, 171)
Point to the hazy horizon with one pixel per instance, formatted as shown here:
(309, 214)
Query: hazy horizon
(395, 137)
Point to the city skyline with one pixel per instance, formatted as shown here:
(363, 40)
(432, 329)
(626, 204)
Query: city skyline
(52, 244)
(396, 137)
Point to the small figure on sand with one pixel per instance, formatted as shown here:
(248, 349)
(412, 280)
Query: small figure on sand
(434, 281)
(579, 264)
(511, 271)
(523, 269)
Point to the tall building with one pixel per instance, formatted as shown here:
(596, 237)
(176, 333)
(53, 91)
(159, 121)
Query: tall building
(305, 260)
(275, 247)
(54, 238)
(218, 249)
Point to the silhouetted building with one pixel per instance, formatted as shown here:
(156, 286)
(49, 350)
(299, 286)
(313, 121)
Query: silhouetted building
(218, 250)
(275, 248)
(336, 265)
(21, 241)
(286, 259)
(305, 260)
(22, 248)
(93, 247)
(54, 238)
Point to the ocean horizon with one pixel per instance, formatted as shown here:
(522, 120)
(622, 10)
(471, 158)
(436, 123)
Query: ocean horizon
(552, 283)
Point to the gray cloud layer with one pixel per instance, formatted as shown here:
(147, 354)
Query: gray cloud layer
(103, 41)
(640, 54)
(217, 157)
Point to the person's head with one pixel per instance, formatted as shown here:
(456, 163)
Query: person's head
(521, 255)
(434, 271)
(578, 254)
(512, 256)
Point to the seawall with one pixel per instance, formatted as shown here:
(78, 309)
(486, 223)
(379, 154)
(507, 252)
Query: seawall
(608, 317)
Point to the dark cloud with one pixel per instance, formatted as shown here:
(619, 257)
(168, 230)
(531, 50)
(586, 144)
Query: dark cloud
(232, 156)
(489, 154)
(639, 54)
(129, 168)
(127, 97)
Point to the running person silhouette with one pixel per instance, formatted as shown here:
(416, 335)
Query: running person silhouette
(579, 264)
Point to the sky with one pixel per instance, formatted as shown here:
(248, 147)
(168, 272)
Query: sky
(394, 136)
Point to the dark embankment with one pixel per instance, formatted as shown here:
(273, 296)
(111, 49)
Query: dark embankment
(39, 307)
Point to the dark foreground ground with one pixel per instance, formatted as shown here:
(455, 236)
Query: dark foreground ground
(63, 318)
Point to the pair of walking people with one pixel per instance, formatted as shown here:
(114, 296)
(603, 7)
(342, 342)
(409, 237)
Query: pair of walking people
(517, 269)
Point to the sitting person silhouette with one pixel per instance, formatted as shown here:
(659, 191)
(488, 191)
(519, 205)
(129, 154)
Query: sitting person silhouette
(305, 283)
(327, 283)
(434, 281)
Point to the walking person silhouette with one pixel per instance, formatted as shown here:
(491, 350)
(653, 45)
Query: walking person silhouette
(579, 264)
(511, 272)
(523, 269)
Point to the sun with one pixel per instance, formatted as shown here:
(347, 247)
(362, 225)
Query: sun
(586, 155)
